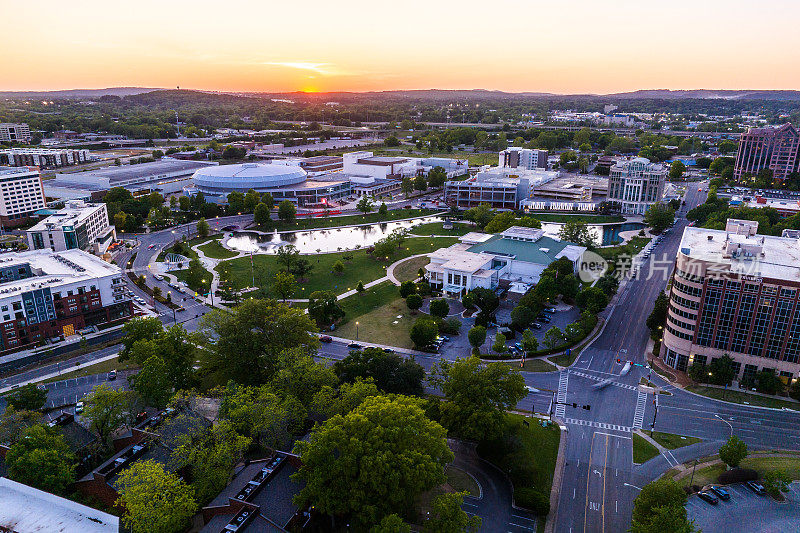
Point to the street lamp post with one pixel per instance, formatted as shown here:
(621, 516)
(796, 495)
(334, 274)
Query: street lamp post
(356, 330)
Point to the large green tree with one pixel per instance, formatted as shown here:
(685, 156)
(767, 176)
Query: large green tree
(449, 517)
(733, 451)
(373, 461)
(659, 217)
(41, 458)
(107, 409)
(476, 395)
(28, 397)
(390, 372)
(577, 232)
(14, 422)
(243, 345)
(152, 383)
(324, 308)
(658, 504)
(154, 499)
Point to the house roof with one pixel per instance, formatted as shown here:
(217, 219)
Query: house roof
(543, 252)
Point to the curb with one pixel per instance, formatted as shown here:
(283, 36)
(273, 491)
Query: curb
(558, 475)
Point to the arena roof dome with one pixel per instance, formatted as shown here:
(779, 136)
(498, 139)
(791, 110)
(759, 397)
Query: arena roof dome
(246, 176)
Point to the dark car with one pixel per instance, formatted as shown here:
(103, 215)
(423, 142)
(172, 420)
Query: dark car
(325, 338)
(550, 310)
(722, 493)
(388, 350)
(545, 319)
(230, 227)
(708, 496)
(758, 488)
(112, 375)
(354, 346)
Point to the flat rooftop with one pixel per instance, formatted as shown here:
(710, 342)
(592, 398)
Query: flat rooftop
(543, 251)
(780, 259)
(54, 268)
(69, 215)
(142, 170)
(6, 172)
(28, 510)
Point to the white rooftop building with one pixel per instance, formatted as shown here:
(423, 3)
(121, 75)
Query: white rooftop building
(77, 225)
(25, 509)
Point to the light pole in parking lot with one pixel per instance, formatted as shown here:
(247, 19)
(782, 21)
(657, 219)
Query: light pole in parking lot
(356, 330)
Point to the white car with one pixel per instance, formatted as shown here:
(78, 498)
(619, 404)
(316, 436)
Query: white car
(79, 407)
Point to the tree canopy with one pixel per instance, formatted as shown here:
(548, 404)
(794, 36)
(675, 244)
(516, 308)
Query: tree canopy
(372, 462)
(41, 458)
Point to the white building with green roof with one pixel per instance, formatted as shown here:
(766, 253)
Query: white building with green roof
(515, 257)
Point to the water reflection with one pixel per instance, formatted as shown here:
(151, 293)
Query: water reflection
(355, 237)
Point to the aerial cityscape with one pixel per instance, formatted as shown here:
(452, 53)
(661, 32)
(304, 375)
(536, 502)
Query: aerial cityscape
(361, 267)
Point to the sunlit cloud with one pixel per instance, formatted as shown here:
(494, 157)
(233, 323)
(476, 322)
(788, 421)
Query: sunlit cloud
(325, 69)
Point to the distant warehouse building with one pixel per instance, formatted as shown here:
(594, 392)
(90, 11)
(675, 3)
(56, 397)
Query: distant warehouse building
(45, 294)
(735, 293)
(282, 181)
(165, 176)
(78, 225)
(21, 195)
(42, 157)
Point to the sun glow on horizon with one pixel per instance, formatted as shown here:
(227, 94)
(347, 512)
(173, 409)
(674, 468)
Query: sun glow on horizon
(593, 46)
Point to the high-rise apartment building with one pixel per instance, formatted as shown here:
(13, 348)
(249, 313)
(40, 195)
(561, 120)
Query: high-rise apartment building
(42, 157)
(21, 194)
(529, 159)
(636, 184)
(10, 132)
(775, 148)
(735, 292)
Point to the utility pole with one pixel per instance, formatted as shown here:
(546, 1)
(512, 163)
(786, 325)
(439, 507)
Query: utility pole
(694, 466)
(655, 413)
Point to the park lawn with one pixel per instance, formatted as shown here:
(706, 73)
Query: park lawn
(375, 320)
(735, 396)
(564, 359)
(703, 476)
(539, 449)
(408, 270)
(435, 228)
(643, 451)
(672, 441)
(363, 267)
(790, 465)
(582, 217)
(461, 481)
(98, 368)
(348, 220)
(538, 365)
(215, 250)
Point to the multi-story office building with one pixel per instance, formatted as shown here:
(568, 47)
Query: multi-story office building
(21, 194)
(501, 188)
(10, 132)
(777, 149)
(45, 294)
(735, 292)
(42, 157)
(78, 225)
(529, 159)
(636, 184)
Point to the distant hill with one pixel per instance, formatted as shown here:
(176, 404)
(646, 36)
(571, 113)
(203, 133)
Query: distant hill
(78, 93)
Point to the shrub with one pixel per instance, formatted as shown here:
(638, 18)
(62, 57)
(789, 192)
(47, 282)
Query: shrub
(414, 301)
(533, 499)
(737, 475)
(451, 326)
(407, 288)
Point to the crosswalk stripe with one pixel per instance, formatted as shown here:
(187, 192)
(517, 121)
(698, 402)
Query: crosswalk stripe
(638, 415)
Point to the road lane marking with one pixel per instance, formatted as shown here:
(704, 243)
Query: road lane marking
(603, 511)
(638, 415)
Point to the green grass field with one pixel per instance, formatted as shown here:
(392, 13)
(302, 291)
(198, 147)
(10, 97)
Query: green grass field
(215, 250)
(671, 441)
(461, 481)
(643, 451)
(349, 220)
(363, 267)
(435, 228)
(376, 318)
(409, 269)
(735, 396)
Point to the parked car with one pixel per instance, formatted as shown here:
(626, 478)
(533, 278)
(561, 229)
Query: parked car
(388, 350)
(708, 496)
(544, 319)
(79, 407)
(720, 492)
(112, 375)
(514, 350)
(550, 310)
(518, 346)
(758, 488)
(354, 346)
(536, 325)
(325, 338)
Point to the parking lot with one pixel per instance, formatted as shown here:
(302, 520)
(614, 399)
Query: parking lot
(746, 511)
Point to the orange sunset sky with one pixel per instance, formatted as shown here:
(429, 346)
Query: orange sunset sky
(561, 46)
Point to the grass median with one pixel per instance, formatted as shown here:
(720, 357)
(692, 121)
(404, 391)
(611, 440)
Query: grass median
(744, 398)
(672, 441)
(643, 451)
